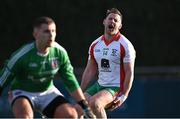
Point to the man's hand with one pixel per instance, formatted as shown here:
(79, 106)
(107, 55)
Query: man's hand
(88, 113)
(116, 103)
(86, 109)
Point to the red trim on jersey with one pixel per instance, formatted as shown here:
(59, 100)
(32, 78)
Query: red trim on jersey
(122, 72)
(114, 38)
(92, 49)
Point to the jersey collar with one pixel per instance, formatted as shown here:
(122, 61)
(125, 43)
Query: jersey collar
(114, 38)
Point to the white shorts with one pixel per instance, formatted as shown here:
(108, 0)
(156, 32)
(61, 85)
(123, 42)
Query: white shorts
(38, 100)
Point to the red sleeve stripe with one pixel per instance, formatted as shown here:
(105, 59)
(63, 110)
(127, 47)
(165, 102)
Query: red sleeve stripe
(92, 50)
(122, 72)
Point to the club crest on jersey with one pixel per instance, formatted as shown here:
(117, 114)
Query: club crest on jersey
(54, 63)
(114, 52)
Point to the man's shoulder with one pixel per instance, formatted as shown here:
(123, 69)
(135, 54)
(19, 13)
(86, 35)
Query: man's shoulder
(20, 53)
(97, 40)
(58, 47)
(24, 49)
(126, 43)
(124, 40)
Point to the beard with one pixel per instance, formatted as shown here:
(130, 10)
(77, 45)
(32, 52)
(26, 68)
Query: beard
(49, 43)
(112, 32)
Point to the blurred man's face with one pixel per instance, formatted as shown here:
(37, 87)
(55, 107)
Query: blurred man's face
(45, 35)
(112, 24)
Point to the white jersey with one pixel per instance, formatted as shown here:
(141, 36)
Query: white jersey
(110, 57)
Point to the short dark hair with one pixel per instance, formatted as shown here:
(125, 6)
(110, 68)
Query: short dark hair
(42, 20)
(115, 11)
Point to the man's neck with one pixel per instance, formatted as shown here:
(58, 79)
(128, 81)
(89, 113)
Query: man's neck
(41, 49)
(109, 37)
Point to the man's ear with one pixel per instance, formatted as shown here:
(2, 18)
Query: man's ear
(34, 32)
(103, 21)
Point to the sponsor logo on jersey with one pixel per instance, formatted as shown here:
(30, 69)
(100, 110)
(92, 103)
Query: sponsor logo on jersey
(97, 50)
(43, 62)
(37, 80)
(32, 64)
(105, 66)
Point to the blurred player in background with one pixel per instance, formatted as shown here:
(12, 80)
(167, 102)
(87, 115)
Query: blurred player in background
(112, 57)
(31, 70)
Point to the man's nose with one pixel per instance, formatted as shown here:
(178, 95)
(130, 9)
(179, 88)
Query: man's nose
(51, 34)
